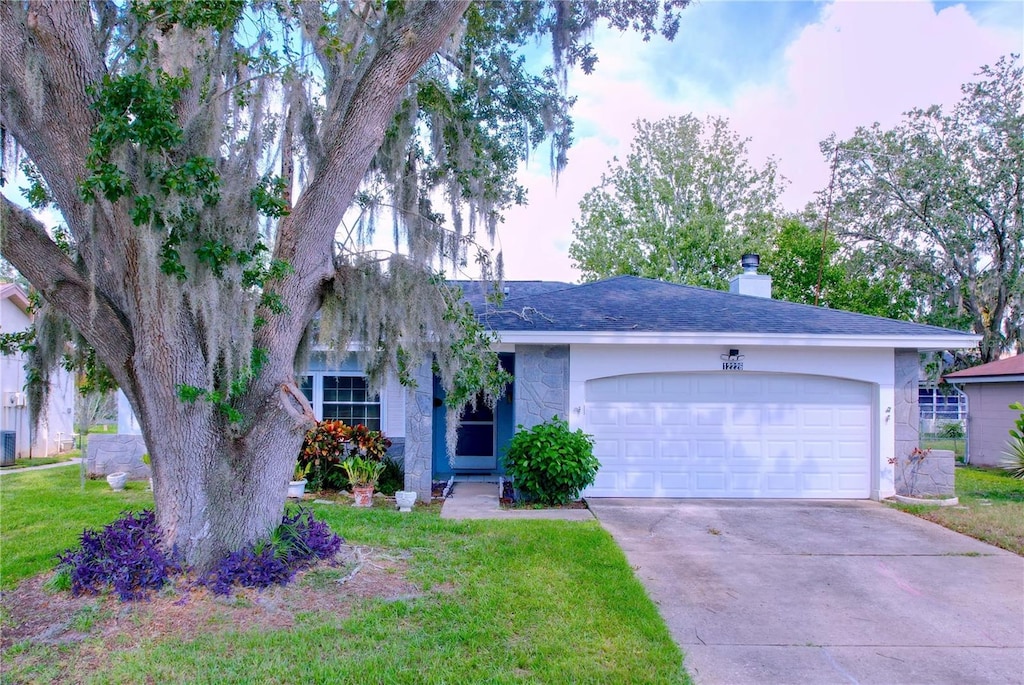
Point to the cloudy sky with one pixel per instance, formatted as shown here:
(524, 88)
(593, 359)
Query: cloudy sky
(786, 73)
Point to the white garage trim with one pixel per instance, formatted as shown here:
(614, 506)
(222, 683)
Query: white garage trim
(731, 435)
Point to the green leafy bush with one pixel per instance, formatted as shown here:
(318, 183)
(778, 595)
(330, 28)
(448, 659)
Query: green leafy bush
(550, 463)
(392, 478)
(952, 431)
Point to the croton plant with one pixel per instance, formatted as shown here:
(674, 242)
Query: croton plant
(332, 442)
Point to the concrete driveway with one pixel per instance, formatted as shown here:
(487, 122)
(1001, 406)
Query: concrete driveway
(823, 592)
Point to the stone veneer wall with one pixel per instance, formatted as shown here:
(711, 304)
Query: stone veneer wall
(418, 448)
(542, 383)
(112, 453)
(934, 474)
(931, 475)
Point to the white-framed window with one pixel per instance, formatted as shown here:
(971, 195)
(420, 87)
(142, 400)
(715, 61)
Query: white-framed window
(342, 396)
(935, 404)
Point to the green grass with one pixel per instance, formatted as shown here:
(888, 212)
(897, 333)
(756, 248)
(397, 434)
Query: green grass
(930, 442)
(44, 512)
(503, 602)
(43, 461)
(991, 508)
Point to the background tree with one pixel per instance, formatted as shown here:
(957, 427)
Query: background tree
(940, 198)
(683, 207)
(203, 157)
(799, 255)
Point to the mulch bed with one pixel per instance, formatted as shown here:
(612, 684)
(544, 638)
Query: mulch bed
(508, 501)
(33, 614)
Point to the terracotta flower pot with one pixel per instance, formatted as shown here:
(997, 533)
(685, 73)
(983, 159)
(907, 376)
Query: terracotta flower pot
(363, 495)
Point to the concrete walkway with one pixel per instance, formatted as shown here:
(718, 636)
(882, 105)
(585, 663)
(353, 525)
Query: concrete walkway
(480, 501)
(76, 460)
(823, 592)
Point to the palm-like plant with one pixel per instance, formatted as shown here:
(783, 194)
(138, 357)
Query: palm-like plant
(362, 472)
(1013, 459)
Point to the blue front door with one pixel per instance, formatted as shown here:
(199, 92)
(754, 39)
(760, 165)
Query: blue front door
(482, 432)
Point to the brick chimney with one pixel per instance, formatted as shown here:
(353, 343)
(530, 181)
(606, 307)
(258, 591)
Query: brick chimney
(750, 282)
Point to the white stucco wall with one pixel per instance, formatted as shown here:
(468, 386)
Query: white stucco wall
(392, 407)
(58, 421)
(872, 365)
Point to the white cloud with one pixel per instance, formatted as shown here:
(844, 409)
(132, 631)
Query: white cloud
(857, 64)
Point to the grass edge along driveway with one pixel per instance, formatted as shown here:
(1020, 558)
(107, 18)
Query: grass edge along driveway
(991, 508)
(518, 602)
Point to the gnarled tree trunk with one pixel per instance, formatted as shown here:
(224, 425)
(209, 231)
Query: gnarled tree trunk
(219, 484)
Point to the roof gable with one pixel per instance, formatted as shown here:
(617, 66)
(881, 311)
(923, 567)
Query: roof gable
(14, 293)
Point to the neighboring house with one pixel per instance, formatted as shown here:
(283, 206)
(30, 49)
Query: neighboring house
(16, 430)
(991, 389)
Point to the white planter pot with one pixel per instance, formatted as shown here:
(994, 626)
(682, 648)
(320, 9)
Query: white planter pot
(117, 480)
(405, 499)
(297, 488)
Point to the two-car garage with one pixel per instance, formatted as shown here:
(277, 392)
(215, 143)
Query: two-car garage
(691, 392)
(730, 434)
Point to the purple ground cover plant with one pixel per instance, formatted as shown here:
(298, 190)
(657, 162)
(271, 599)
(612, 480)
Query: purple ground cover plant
(127, 555)
(298, 542)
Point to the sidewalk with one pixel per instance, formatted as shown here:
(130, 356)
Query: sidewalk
(480, 501)
(76, 460)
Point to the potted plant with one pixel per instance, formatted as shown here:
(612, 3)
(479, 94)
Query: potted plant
(362, 475)
(297, 485)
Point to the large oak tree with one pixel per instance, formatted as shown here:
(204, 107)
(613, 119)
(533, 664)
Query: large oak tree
(203, 157)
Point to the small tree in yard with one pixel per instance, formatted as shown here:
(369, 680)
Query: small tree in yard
(550, 463)
(203, 156)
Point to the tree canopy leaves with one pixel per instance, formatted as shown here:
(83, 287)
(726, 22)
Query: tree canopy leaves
(938, 203)
(683, 207)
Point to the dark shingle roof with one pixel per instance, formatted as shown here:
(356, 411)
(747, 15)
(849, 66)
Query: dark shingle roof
(476, 292)
(631, 304)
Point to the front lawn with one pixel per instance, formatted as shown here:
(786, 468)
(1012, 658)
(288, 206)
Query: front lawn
(45, 511)
(991, 508)
(477, 601)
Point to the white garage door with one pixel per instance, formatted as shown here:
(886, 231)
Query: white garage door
(730, 435)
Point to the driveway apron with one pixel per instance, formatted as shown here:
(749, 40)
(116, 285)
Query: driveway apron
(784, 591)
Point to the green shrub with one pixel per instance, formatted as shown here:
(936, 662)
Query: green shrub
(953, 431)
(392, 478)
(551, 464)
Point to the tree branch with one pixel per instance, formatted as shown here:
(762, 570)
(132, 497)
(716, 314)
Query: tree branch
(24, 242)
(48, 56)
(306, 236)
